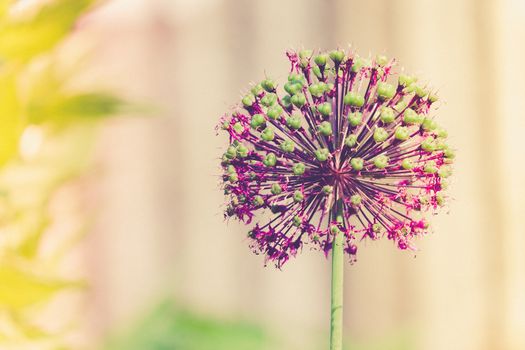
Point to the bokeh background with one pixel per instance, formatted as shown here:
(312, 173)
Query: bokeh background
(158, 231)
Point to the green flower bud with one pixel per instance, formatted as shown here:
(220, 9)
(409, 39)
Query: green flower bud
(385, 91)
(298, 196)
(305, 54)
(380, 135)
(298, 100)
(322, 154)
(381, 161)
(275, 112)
(257, 121)
(231, 169)
(225, 125)
(270, 160)
(303, 62)
(428, 144)
(297, 78)
(445, 171)
(381, 60)
(298, 169)
(406, 80)
(321, 60)
(238, 128)
(297, 221)
(334, 229)
(355, 199)
(354, 99)
(429, 124)
(402, 133)
(442, 133)
(400, 106)
(357, 64)
(248, 100)
(410, 116)
(337, 56)
(268, 134)
(387, 115)
(433, 98)
(231, 152)
(354, 119)
(242, 151)
(268, 85)
(317, 72)
(376, 228)
(258, 201)
(287, 101)
(420, 92)
(357, 163)
(233, 177)
(294, 121)
(317, 89)
(327, 189)
(276, 189)
(269, 99)
(448, 153)
(440, 199)
(440, 144)
(257, 90)
(325, 128)
(293, 88)
(225, 160)
(407, 164)
(287, 146)
(351, 140)
(325, 109)
(411, 88)
(430, 167)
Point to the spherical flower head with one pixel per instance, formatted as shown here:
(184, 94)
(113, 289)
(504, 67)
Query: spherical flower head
(341, 129)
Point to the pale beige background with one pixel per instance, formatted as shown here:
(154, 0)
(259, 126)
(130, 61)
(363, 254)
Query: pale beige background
(160, 230)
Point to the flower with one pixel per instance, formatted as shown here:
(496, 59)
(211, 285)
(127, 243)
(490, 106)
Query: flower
(345, 129)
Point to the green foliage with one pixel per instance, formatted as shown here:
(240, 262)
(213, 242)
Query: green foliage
(170, 328)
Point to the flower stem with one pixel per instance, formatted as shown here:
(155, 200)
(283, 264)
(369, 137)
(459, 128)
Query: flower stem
(336, 319)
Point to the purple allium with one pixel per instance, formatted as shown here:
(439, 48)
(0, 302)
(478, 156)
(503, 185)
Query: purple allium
(341, 129)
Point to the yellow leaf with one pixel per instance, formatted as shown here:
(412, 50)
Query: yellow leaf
(29, 246)
(11, 122)
(24, 38)
(19, 289)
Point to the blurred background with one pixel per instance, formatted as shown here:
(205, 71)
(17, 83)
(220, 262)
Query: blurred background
(159, 258)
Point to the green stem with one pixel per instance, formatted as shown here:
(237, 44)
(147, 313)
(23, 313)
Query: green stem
(336, 320)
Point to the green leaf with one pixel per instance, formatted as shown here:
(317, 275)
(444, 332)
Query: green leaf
(67, 109)
(169, 328)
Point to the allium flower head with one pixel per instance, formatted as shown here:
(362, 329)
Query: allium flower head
(341, 129)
